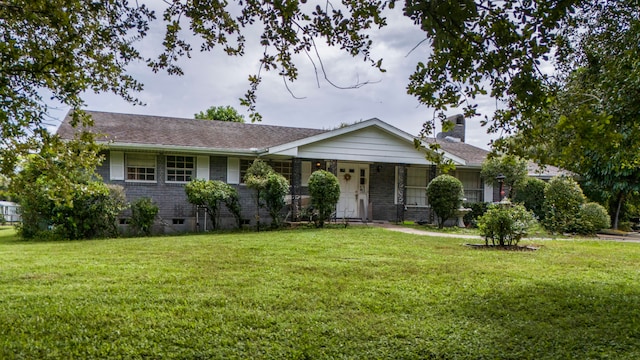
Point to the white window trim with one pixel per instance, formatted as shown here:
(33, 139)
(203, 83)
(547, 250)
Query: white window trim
(155, 160)
(407, 186)
(166, 169)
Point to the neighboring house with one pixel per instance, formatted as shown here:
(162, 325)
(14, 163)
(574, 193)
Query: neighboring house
(9, 211)
(381, 175)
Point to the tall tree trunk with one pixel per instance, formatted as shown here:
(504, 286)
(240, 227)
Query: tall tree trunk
(616, 218)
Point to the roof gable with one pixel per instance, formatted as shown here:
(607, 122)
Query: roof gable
(370, 140)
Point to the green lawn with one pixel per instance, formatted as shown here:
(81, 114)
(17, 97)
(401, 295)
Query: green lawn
(357, 293)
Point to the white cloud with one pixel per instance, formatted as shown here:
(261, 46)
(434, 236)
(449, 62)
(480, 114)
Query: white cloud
(217, 79)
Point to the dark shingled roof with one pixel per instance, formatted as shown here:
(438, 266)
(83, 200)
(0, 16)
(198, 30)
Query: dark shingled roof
(474, 156)
(159, 130)
(191, 133)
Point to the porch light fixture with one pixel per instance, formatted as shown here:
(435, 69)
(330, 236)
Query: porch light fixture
(318, 164)
(378, 168)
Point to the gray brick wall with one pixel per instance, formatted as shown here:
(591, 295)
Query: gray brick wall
(173, 204)
(172, 199)
(382, 179)
(382, 196)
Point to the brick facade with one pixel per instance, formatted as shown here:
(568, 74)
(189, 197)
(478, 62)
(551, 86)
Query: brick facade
(176, 214)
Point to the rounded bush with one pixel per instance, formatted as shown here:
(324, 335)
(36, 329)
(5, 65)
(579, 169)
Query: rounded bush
(562, 201)
(505, 223)
(325, 193)
(593, 218)
(445, 197)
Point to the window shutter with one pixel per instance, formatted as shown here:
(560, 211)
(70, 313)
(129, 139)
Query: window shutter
(202, 172)
(305, 172)
(233, 171)
(116, 165)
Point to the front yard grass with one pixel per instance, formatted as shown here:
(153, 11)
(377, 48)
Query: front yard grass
(355, 293)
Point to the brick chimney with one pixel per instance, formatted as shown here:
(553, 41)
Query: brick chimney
(458, 131)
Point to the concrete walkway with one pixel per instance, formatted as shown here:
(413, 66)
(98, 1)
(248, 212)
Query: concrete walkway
(629, 237)
(407, 230)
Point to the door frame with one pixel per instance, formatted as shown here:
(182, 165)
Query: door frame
(357, 207)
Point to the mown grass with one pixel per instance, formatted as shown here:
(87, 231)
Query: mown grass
(355, 293)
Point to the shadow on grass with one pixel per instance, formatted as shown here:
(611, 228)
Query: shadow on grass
(547, 320)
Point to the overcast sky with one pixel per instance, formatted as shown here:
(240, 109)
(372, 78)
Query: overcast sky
(213, 78)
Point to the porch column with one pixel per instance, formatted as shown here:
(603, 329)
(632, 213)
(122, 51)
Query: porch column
(333, 167)
(401, 192)
(296, 186)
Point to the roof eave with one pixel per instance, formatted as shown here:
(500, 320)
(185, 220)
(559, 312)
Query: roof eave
(181, 148)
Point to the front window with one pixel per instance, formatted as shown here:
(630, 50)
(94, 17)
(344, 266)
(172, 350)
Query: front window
(180, 168)
(472, 184)
(141, 167)
(416, 187)
(283, 168)
(244, 166)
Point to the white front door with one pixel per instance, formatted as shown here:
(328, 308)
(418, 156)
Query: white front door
(354, 190)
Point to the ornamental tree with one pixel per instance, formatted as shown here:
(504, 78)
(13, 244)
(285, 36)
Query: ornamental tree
(273, 196)
(60, 50)
(513, 169)
(256, 178)
(445, 194)
(143, 215)
(530, 194)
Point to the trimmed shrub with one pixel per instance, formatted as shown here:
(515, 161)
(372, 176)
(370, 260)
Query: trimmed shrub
(143, 215)
(270, 188)
(505, 223)
(592, 218)
(325, 193)
(92, 213)
(531, 194)
(562, 201)
(210, 193)
(512, 168)
(445, 195)
(277, 187)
